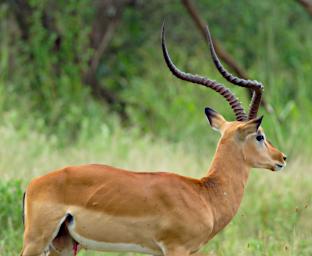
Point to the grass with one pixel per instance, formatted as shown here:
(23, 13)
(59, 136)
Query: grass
(275, 215)
(274, 218)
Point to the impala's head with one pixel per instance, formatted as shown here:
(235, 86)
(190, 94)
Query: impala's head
(249, 141)
(245, 132)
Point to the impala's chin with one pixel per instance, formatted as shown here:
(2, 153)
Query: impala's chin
(279, 166)
(273, 167)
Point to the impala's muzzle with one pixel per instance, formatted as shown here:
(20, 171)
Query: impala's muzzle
(281, 163)
(279, 167)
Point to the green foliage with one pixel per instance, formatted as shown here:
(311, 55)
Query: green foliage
(269, 40)
(44, 103)
(42, 88)
(44, 84)
(10, 217)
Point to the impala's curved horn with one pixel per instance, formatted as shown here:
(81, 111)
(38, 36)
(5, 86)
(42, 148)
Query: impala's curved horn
(225, 92)
(256, 86)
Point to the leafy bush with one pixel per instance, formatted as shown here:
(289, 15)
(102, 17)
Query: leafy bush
(11, 195)
(43, 89)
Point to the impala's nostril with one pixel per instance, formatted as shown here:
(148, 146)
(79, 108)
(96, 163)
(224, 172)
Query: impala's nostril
(285, 158)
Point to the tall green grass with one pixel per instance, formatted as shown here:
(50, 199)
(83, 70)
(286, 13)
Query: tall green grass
(274, 218)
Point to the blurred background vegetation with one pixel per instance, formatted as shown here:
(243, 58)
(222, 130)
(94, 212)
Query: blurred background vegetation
(85, 80)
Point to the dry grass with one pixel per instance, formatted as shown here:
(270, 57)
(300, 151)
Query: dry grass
(32, 155)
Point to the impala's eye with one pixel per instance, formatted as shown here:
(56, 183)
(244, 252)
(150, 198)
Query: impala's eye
(260, 138)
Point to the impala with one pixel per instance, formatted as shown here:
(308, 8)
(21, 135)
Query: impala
(103, 208)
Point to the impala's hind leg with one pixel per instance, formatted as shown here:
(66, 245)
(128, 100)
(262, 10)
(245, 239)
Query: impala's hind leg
(42, 224)
(36, 242)
(63, 244)
(37, 239)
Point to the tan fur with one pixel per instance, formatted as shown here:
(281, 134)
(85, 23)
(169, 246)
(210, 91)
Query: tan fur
(166, 213)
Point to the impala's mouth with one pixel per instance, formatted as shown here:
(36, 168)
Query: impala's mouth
(279, 167)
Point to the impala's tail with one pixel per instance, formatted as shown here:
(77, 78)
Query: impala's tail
(23, 215)
(23, 208)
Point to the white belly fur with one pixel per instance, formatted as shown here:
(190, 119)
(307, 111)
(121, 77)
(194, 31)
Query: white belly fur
(110, 247)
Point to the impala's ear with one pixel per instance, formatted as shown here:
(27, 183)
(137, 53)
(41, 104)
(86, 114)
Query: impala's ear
(215, 119)
(251, 126)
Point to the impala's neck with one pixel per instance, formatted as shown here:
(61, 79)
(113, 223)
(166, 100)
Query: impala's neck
(225, 183)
